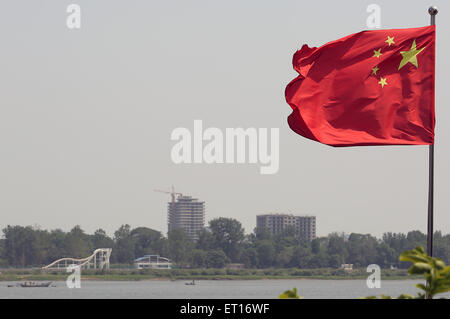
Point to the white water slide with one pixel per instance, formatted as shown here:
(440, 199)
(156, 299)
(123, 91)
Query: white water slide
(98, 260)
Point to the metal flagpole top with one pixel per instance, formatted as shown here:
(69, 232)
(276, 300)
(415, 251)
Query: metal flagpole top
(432, 11)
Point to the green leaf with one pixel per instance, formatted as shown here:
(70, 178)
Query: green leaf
(290, 294)
(445, 272)
(440, 265)
(441, 288)
(416, 255)
(419, 268)
(421, 286)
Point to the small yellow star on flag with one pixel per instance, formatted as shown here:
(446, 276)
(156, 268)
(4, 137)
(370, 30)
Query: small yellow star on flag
(375, 69)
(382, 82)
(390, 40)
(410, 56)
(377, 53)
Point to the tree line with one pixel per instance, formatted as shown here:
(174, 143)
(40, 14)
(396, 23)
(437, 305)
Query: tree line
(223, 242)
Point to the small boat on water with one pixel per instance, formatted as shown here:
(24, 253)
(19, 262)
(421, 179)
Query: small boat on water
(190, 283)
(32, 284)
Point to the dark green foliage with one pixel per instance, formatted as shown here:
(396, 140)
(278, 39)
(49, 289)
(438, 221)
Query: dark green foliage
(180, 247)
(198, 258)
(227, 234)
(222, 243)
(266, 253)
(216, 259)
(148, 242)
(30, 246)
(124, 245)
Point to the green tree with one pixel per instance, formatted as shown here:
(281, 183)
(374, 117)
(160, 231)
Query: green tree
(228, 235)
(2, 253)
(397, 243)
(249, 257)
(20, 246)
(199, 258)
(315, 246)
(262, 233)
(441, 247)
(319, 260)
(301, 257)
(43, 247)
(386, 256)
(180, 247)
(101, 240)
(414, 239)
(124, 246)
(147, 242)
(362, 249)
(336, 246)
(57, 245)
(284, 257)
(266, 253)
(78, 244)
(287, 238)
(205, 240)
(216, 258)
(335, 261)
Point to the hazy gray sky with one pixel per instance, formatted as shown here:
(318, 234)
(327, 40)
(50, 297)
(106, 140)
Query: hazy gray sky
(86, 115)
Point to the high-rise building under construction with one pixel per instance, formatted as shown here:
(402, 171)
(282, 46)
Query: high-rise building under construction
(188, 214)
(304, 226)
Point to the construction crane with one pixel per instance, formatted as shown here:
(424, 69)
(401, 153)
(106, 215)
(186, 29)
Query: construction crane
(172, 193)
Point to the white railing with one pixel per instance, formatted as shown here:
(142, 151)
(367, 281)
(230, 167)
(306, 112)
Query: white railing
(98, 260)
(153, 261)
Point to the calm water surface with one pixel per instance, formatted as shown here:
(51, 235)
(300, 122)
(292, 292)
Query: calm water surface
(258, 289)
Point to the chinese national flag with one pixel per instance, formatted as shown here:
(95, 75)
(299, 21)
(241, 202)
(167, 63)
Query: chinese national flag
(368, 88)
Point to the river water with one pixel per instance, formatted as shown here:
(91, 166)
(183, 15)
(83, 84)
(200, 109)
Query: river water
(232, 289)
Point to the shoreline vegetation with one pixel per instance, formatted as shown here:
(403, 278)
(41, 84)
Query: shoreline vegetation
(201, 274)
(222, 252)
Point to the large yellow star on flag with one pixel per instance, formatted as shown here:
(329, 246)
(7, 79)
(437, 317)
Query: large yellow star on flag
(410, 56)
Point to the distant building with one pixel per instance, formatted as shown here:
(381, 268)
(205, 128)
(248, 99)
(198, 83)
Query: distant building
(305, 226)
(235, 266)
(347, 267)
(152, 261)
(188, 214)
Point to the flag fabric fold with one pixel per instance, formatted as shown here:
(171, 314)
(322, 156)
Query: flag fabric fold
(368, 88)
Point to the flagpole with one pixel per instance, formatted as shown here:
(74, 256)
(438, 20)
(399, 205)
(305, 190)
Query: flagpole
(432, 11)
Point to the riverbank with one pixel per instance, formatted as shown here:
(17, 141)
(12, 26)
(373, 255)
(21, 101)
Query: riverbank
(201, 274)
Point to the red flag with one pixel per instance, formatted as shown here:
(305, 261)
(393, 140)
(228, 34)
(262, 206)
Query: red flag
(368, 88)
